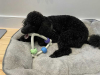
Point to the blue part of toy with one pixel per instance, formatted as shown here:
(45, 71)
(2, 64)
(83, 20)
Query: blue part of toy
(44, 50)
(47, 41)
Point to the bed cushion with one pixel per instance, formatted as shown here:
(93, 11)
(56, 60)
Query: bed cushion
(82, 61)
(93, 26)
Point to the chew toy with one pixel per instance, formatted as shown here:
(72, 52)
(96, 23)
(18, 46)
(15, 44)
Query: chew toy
(34, 51)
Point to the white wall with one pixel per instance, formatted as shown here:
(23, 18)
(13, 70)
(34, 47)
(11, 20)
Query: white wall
(78, 8)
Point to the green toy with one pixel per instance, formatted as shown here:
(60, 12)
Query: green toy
(34, 51)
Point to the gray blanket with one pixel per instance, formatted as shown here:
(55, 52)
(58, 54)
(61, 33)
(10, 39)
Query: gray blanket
(82, 61)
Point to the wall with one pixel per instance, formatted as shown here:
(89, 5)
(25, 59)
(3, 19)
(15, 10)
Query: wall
(20, 8)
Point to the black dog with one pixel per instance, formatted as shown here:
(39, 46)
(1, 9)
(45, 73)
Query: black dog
(66, 30)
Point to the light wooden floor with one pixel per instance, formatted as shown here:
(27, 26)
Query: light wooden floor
(4, 41)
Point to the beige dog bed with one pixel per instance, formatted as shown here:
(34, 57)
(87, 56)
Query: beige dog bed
(83, 61)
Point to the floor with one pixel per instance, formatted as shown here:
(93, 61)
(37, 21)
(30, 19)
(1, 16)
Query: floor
(4, 41)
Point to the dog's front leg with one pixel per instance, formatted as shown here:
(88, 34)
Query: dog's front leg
(22, 38)
(64, 42)
(61, 52)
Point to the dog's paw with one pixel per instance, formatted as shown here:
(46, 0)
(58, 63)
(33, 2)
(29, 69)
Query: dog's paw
(60, 52)
(18, 39)
(23, 39)
(53, 56)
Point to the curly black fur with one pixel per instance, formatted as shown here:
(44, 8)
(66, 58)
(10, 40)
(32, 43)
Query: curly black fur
(94, 40)
(66, 30)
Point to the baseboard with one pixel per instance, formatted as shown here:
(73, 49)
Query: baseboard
(16, 21)
(11, 21)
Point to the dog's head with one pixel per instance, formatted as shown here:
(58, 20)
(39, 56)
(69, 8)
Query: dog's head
(34, 22)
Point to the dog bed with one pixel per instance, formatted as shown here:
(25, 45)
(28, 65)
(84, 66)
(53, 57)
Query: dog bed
(82, 61)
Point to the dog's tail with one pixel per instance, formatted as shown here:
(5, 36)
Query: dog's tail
(94, 40)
